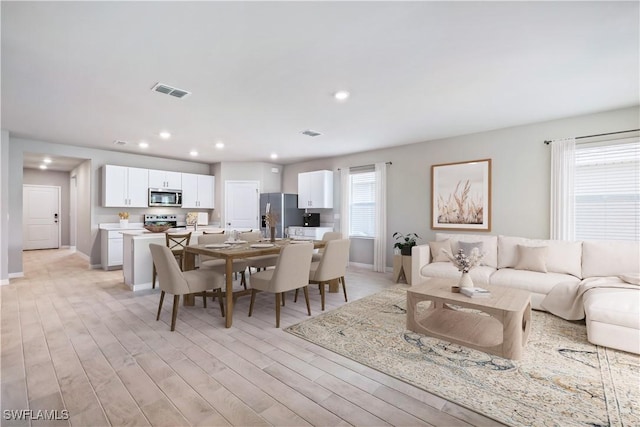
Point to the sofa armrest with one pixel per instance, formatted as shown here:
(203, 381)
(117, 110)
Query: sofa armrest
(420, 256)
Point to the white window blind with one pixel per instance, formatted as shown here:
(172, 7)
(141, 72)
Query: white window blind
(607, 190)
(362, 205)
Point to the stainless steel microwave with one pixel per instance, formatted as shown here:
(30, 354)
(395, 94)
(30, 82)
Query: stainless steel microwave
(165, 197)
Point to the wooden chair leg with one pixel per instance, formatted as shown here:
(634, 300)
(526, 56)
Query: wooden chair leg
(160, 305)
(295, 296)
(277, 309)
(344, 288)
(283, 298)
(253, 299)
(306, 298)
(204, 299)
(243, 280)
(155, 273)
(174, 315)
(219, 296)
(322, 295)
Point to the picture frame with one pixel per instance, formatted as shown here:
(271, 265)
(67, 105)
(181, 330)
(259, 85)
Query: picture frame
(461, 196)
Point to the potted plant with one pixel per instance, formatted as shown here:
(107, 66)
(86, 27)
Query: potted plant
(405, 242)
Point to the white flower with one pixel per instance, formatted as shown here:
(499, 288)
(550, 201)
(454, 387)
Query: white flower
(463, 262)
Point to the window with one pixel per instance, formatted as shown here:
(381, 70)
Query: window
(362, 203)
(607, 190)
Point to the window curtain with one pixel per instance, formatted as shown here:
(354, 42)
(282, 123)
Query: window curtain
(380, 242)
(344, 202)
(563, 164)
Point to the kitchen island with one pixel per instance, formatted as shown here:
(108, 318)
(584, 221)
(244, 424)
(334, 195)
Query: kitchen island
(137, 265)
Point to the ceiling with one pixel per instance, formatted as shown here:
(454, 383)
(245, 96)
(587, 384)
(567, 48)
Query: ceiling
(259, 73)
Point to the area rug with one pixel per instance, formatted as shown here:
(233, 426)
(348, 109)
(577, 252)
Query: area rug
(561, 380)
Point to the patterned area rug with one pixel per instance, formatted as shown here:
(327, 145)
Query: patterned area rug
(561, 380)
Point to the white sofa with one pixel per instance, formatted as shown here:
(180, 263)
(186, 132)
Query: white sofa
(612, 314)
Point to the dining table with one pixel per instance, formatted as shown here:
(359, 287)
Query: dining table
(234, 250)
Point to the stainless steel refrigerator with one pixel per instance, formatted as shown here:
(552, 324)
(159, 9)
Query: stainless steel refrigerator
(285, 206)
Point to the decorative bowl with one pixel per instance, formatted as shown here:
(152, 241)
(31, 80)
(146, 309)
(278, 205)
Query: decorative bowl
(157, 228)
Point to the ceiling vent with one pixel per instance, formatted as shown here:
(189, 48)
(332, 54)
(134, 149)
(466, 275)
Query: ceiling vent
(310, 132)
(119, 142)
(169, 90)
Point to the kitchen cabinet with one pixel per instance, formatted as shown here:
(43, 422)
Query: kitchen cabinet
(111, 249)
(165, 179)
(197, 191)
(125, 187)
(315, 189)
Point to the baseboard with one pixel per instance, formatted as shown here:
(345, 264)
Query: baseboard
(361, 265)
(140, 287)
(13, 276)
(4, 282)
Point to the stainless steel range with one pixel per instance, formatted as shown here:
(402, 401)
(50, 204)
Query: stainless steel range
(171, 220)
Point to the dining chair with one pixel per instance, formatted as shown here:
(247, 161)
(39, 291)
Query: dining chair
(176, 282)
(261, 261)
(329, 235)
(332, 266)
(220, 265)
(176, 243)
(291, 272)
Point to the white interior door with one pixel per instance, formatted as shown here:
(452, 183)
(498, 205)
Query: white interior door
(41, 217)
(241, 205)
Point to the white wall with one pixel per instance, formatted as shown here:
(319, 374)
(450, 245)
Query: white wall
(4, 207)
(520, 173)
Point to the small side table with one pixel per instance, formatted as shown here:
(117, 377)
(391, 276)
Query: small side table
(402, 268)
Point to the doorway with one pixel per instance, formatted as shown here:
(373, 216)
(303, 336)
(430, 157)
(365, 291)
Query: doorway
(41, 217)
(241, 205)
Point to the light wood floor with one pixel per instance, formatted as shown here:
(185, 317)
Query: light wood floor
(77, 339)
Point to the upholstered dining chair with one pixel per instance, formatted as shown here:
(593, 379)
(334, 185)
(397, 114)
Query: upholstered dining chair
(258, 262)
(332, 266)
(219, 265)
(176, 242)
(291, 272)
(176, 282)
(329, 235)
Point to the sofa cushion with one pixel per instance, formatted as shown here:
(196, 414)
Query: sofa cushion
(610, 258)
(562, 257)
(489, 245)
(613, 306)
(533, 258)
(531, 281)
(479, 275)
(436, 250)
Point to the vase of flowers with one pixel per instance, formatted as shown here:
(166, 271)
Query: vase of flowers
(464, 264)
(271, 220)
(124, 219)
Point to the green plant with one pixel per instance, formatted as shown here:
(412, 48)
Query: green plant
(405, 242)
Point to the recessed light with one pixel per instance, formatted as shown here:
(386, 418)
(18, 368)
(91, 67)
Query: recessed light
(341, 95)
(219, 145)
(165, 135)
(274, 156)
(47, 160)
(43, 166)
(143, 144)
(194, 153)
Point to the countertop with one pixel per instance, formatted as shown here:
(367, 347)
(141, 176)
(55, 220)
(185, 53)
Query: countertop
(145, 234)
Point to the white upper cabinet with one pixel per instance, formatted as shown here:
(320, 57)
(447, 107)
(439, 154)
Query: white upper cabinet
(125, 187)
(315, 189)
(197, 191)
(165, 179)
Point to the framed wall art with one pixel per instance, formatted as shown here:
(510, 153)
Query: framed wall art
(461, 196)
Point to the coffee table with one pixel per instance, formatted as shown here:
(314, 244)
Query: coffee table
(502, 331)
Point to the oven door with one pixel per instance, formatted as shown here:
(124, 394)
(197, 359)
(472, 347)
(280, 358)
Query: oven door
(164, 197)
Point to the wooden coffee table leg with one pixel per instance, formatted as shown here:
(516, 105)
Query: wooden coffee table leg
(515, 332)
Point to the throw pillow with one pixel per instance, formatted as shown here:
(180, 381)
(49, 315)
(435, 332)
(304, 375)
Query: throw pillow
(533, 258)
(436, 250)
